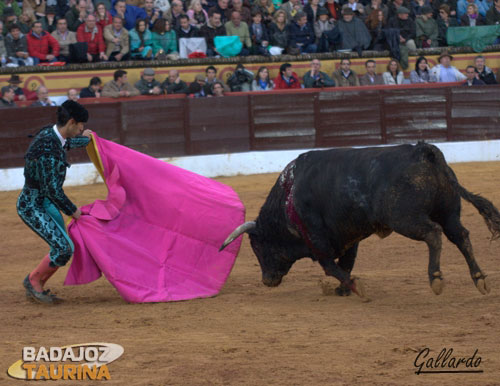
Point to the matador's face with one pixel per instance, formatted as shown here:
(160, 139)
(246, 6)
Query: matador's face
(75, 128)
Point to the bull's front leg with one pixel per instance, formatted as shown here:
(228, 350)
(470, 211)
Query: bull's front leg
(346, 263)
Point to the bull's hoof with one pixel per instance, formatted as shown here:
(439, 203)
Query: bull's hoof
(482, 283)
(437, 285)
(342, 290)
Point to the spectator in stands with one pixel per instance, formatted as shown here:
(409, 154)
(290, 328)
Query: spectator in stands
(213, 28)
(9, 18)
(217, 89)
(76, 15)
(344, 76)
(119, 86)
(376, 23)
(444, 21)
(222, 8)
(211, 78)
(462, 6)
(173, 84)
(445, 72)
(322, 28)
(164, 40)
(237, 5)
(301, 36)
(152, 13)
(259, 35)
(394, 5)
(197, 88)
(21, 94)
(73, 94)
(417, 7)
(472, 17)
(262, 81)
(422, 73)
(176, 10)
(12, 4)
(198, 17)
(278, 30)
(376, 5)
(291, 8)
(141, 41)
(7, 100)
(186, 30)
(49, 20)
(483, 71)
(493, 14)
(236, 27)
(43, 98)
(148, 85)
(94, 89)
(117, 40)
(314, 78)
(393, 75)
(103, 16)
(129, 13)
(355, 35)
(406, 26)
(35, 8)
(65, 38)
(241, 79)
(426, 29)
(287, 78)
(472, 77)
(371, 78)
(266, 9)
(91, 34)
(311, 10)
(16, 46)
(357, 8)
(451, 4)
(42, 47)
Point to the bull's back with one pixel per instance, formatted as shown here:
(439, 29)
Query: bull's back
(354, 186)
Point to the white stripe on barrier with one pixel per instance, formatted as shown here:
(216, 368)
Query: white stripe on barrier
(254, 162)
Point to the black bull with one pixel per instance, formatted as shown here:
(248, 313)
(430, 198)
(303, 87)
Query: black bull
(325, 202)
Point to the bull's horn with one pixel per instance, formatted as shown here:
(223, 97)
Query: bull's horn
(237, 232)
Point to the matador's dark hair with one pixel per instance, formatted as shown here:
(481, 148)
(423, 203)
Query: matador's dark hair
(71, 109)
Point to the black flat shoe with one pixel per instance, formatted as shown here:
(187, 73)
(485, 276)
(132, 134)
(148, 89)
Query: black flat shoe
(42, 297)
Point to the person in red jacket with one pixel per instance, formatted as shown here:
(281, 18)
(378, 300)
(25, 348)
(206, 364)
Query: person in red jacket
(90, 33)
(287, 79)
(42, 46)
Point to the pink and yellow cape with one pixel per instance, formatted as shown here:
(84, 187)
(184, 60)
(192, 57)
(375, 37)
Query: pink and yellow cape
(156, 237)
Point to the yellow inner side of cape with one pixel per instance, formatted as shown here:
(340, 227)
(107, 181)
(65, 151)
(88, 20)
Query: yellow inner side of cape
(95, 157)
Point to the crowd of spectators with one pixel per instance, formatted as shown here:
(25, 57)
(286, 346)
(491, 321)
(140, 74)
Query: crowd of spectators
(209, 85)
(82, 31)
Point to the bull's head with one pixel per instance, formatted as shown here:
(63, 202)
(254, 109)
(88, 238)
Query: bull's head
(271, 256)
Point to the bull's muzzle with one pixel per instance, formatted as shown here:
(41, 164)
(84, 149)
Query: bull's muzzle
(272, 281)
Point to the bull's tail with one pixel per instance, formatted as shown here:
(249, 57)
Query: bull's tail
(485, 208)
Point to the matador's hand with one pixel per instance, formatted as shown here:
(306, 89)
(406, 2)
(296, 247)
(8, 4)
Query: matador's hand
(77, 214)
(87, 133)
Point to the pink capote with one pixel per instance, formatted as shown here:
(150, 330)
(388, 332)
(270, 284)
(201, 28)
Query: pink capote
(156, 236)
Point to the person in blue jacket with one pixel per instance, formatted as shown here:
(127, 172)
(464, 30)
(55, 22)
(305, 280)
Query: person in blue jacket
(42, 196)
(129, 13)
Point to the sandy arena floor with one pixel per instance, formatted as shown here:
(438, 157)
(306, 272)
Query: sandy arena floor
(290, 335)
